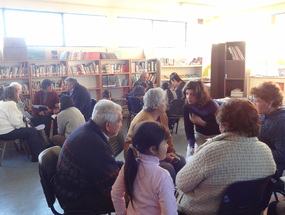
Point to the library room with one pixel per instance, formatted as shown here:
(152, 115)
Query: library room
(177, 65)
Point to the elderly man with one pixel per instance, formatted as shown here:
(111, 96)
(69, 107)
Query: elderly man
(80, 96)
(86, 169)
(143, 81)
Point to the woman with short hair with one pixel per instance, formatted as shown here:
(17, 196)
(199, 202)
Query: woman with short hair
(154, 110)
(234, 155)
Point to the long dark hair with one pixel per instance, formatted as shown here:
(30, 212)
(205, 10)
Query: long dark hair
(145, 135)
(10, 93)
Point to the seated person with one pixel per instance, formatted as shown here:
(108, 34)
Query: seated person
(47, 97)
(68, 119)
(178, 84)
(143, 81)
(148, 186)
(235, 155)
(86, 168)
(12, 125)
(20, 104)
(138, 91)
(169, 90)
(154, 110)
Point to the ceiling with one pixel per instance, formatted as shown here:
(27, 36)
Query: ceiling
(198, 8)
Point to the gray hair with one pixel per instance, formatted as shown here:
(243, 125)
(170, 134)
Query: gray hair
(16, 83)
(144, 74)
(153, 98)
(105, 110)
(71, 80)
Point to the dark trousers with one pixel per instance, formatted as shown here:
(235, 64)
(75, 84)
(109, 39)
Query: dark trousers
(174, 167)
(46, 120)
(28, 134)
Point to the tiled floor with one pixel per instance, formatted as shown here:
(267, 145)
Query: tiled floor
(20, 189)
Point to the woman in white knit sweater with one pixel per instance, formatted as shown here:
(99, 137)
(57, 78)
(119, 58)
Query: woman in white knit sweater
(234, 155)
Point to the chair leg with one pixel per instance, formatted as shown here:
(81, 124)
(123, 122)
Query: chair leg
(177, 126)
(2, 151)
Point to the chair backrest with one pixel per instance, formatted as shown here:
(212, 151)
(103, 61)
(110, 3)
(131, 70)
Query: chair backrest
(246, 197)
(176, 108)
(47, 168)
(117, 143)
(135, 104)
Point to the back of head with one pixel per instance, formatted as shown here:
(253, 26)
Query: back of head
(175, 77)
(268, 91)
(201, 92)
(138, 91)
(10, 94)
(165, 85)
(105, 110)
(46, 83)
(239, 116)
(71, 80)
(66, 102)
(145, 135)
(16, 84)
(153, 98)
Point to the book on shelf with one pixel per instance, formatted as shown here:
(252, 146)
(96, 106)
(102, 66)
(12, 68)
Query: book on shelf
(237, 93)
(111, 81)
(236, 53)
(106, 55)
(196, 61)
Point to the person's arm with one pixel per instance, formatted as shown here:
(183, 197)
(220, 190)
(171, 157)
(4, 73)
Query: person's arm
(192, 174)
(189, 127)
(61, 125)
(81, 98)
(166, 197)
(15, 117)
(36, 101)
(118, 194)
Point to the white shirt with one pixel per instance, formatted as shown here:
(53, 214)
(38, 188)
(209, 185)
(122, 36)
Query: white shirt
(10, 117)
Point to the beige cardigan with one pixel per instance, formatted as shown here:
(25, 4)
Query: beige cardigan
(220, 161)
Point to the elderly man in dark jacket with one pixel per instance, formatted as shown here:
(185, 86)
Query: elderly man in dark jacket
(80, 96)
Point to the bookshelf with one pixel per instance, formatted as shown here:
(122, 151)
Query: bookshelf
(114, 75)
(228, 69)
(186, 72)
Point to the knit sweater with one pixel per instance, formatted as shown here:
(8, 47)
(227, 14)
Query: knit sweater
(220, 161)
(52, 99)
(68, 120)
(207, 113)
(272, 133)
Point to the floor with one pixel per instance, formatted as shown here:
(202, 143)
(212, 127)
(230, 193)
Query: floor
(20, 189)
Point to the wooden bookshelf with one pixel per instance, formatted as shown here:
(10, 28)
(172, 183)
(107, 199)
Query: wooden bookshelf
(227, 69)
(89, 73)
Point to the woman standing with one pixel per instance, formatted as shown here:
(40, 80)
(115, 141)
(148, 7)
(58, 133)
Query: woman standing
(268, 99)
(12, 125)
(199, 115)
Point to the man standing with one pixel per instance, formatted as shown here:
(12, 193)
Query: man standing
(80, 96)
(143, 81)
(86, 169)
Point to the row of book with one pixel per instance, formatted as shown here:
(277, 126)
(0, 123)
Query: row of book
(167, 61)
(235, 53)
(115, 68)
(13, 71)
(84, 69)
(197, 61)
(57, 85)
(144, 66)
(113, 81)
(79, 55)
(136, 77)
(48, 70)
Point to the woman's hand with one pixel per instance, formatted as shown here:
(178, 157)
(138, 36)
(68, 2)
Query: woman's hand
(196, 119)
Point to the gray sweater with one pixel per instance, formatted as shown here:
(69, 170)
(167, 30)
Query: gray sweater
(220, 161)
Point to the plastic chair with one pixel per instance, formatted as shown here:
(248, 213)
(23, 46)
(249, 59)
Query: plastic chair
(135, 105)
(174, 113)
(47, 169)
(246, 197)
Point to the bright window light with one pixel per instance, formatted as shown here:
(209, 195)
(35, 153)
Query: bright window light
(86, 30)
(169, 34)
(1, 24)
(38, 28)
(134, 32)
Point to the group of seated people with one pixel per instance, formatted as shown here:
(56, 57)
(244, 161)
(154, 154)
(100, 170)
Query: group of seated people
(235, 141)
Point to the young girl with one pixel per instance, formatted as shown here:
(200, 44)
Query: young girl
(148, 187)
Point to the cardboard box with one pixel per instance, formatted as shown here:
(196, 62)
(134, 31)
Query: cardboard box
(14, 48)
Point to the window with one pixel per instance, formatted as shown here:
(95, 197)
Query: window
(86, 30)
(134, 32)
(1, 24)
(38, 28)
(169, 34)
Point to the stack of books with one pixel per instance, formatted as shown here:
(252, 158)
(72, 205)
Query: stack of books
(237, 93)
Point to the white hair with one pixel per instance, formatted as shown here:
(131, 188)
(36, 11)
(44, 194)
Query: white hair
(105, 110)
(153, 98)
(16, 83)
